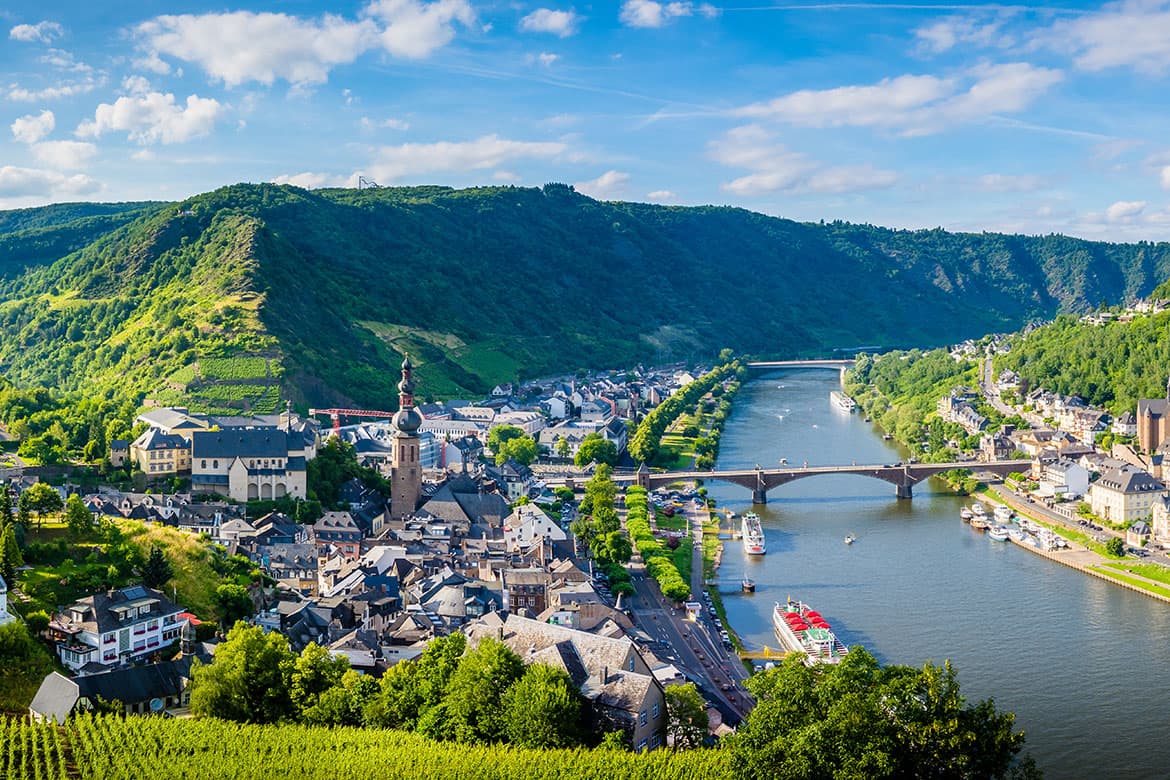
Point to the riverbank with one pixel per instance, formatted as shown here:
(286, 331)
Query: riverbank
(1087, 560)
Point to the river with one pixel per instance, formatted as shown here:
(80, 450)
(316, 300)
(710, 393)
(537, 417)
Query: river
(1078, 660)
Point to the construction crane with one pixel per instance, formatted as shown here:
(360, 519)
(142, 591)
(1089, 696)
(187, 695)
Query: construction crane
(336, 414)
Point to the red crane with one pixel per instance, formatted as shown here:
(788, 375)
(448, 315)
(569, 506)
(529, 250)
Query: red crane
(336, 414)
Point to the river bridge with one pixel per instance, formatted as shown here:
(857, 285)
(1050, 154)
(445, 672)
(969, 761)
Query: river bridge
(759, 480)
(841, 363)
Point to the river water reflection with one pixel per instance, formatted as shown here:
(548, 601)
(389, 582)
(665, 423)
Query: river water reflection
(1081, 662)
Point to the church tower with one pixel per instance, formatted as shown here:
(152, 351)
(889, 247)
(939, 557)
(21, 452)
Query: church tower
(405, 472)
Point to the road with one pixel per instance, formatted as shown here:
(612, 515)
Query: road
(693, 646)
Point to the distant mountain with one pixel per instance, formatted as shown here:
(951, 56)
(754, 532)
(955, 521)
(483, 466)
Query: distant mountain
(324, 290)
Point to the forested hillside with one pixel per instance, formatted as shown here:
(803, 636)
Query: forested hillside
(324, 290)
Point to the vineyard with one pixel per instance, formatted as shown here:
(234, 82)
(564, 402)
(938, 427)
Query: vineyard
(109, 748)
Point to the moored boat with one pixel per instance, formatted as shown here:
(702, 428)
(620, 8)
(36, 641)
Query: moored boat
(753, 534)
(998, 533)
(802, 629)
(1003, 514)
(965, 514)
(842, 401)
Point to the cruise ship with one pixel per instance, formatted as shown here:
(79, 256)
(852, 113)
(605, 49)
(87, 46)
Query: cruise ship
(753, 534)
(842, 401)
(802, 630)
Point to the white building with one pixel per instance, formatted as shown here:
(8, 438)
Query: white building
(249, 463)
(1123, 495)
(107, 629)
(5, 615)
(527, 526)
(1064, 477)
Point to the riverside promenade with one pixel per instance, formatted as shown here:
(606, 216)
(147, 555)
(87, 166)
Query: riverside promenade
(1082, 558)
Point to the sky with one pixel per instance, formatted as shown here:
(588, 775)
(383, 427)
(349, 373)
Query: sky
(968, 116)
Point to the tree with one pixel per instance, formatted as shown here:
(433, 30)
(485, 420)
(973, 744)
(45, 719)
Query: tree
(596, 448)
(436, 666)
(686, 716)
(858, 719)
(10, 557)
(344, 703)
(399, 699)
(501, 435)
(522, 449)
(37, 622)
(543, 709)
(249, 679)
(234, 603)
(5, 504)
(613, 547)
(1115, 547)
(562, 447)
(77, 517)
(41, 498)
(314, 672)
(472, 702)
(157, 569)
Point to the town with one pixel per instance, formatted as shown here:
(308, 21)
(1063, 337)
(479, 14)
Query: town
(470, 540)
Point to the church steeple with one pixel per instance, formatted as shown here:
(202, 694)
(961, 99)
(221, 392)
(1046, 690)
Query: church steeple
(405, 469)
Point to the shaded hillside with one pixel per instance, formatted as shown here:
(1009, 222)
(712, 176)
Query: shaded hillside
(484, 285)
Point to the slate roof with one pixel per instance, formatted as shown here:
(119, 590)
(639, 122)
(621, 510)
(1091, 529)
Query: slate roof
(58, 694)
(1129, 480)
(241, 442)
(101, 609)
(153, 440)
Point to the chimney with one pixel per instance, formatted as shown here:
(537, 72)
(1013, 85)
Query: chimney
(605, 675)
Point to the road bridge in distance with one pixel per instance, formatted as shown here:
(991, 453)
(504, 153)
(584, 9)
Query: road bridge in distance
(904, 476)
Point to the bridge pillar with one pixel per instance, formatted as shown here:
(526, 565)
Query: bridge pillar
(759, 496)
(570, 484)
(643, 477)
(905, 490)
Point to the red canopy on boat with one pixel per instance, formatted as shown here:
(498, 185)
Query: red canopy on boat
(812, 613)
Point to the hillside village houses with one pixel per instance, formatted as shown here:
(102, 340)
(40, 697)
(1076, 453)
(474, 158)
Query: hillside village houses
(374, 583)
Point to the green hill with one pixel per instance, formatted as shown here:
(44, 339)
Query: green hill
(326, 289)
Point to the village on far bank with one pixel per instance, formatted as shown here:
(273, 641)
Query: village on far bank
(446, 526)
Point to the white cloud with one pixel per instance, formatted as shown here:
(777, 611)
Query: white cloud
(562, 23)
(136, 85)
(63, 155)
(661, 195)
(544, 58)
(415, 29)
(41, 32)
(1124, 211)
(32, 128)
(61, 90)
(648, 13)
(311, 181)
(244, 46)
(506, 176)
(369, 124)
(392, 163)
(32, 182)
(154, 118)
(1165, 176)
(1001, 182)
(775, 168)
(608, 186)
(1134, 33)
(944, 35)
(913, 105)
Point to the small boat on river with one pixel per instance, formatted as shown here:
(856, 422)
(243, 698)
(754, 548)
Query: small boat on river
(997, 533)
(850, 539)
(749, 585)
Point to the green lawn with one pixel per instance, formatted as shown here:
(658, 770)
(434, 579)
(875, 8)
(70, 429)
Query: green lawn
(677, 523)
(1151, 571)
(1146, 586)
(682, 559)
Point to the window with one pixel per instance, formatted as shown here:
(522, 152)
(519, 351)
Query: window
(631, 663)
(641, 746)
(203, 463)
(654, 710)
(655, 740)
(215, 464)
(642, 718)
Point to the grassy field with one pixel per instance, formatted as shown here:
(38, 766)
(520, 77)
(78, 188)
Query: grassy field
(194, 581)
(1151, 571)
(676, 523)
(1111, 573)
(683, 558)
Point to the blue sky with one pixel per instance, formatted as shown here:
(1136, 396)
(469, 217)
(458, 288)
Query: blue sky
(1019, 118)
